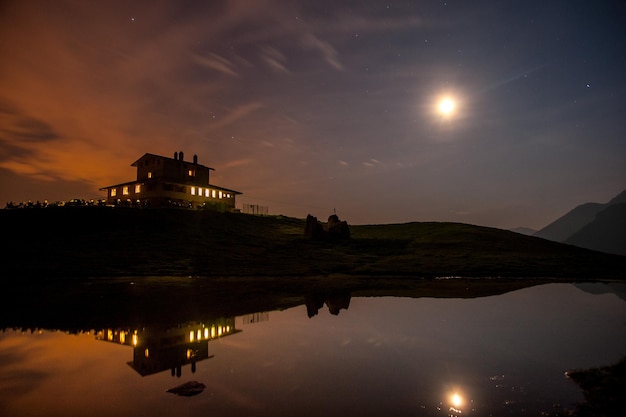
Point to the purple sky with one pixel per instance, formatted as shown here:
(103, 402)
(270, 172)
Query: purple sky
(311, 106)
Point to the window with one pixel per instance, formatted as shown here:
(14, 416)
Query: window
(213, 193)
(125, 190)
(207, 192)
(113, 192)
(191, 172)
(137, 188)
(193, 190)
(220, 194)
(149, 174)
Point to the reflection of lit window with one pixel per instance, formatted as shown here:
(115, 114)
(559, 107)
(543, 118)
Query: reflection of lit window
(125, 190)
(193, 190)
(199, 335)
(206, 333)
(137, 188)
(135, 339)
(122, 337)
(220, 330)
(213, 332)
(149, 174)
(146, 353)
(192, 336)
(113, 192)
(189, 353)
(109, 334)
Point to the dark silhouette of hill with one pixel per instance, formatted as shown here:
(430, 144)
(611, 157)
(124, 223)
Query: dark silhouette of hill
(565, 226)
(606, 233)
(582, 227)
(524, 231)
(82, 242)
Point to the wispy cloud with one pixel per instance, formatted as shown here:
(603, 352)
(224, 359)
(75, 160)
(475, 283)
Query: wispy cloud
(274, 59)
(217, 63)
(237, 113)
(329, 53)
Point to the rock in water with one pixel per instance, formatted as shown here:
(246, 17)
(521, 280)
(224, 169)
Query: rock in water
(188, 389)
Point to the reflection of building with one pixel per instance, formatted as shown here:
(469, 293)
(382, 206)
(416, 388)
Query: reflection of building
(163, 181)
(156, 350)
(334, 301)
(253, 318)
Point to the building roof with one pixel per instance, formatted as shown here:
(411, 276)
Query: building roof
(166, 157)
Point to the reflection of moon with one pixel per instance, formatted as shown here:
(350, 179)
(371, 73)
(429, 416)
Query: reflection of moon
(446, 106)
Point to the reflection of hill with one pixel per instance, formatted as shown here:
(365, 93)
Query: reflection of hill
(134, 303)
(156, 349)
(617, 288)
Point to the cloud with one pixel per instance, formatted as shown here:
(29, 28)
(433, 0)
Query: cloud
(328, 51)
(237, 113)
(274, 59)
(372, 162)
(217, 63)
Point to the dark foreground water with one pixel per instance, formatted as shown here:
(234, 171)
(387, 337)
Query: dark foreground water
(500, 355)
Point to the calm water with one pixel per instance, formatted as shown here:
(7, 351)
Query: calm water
(501, 355)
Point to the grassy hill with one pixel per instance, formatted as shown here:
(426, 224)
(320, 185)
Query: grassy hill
(80, 242)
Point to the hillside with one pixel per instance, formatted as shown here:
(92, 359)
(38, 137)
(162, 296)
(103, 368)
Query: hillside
(570, 223)
(592, 225)
(79, 242)
(606, 233)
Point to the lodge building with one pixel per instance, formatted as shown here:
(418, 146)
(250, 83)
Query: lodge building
(171, 182)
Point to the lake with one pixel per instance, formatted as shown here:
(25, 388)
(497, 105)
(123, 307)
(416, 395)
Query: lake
(333, 356)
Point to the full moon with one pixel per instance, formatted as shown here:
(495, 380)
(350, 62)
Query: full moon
(446, 106)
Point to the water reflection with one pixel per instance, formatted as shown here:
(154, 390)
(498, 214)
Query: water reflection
(334, 354)
(335, 301)
(156, 349)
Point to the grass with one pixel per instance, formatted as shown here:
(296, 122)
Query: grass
(81, 242)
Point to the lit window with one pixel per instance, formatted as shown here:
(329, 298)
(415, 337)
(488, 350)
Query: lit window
(113, 192)
(213, 193)
(191, 173)
(137, 188)
(192, 336)
(146, 353)
(193, 190)
(207, 192)
(149, 174)
(220, 194)
(125, 190)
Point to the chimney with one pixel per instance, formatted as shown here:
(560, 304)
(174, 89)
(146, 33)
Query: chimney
(195, 159)
(176, 155)
(180, 155)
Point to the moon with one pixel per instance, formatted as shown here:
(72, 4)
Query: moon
(446, 106)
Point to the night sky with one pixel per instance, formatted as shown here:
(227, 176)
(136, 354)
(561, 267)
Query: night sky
(315, 106)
